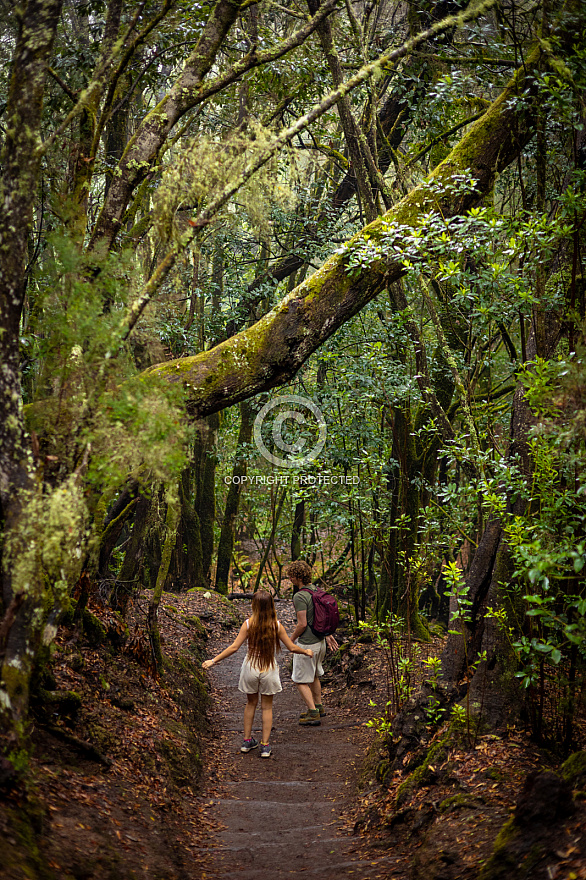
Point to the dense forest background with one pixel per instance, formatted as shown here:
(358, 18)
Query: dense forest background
(374, 207)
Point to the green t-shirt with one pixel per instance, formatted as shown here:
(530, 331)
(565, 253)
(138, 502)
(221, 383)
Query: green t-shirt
(302, 601)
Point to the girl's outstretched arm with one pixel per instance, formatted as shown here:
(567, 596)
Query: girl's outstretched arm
(291, 646)
(231, 649)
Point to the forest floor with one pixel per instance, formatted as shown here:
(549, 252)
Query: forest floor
(161, 790)
(290, 815)
(315, 809)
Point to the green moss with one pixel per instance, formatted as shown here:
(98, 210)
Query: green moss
(435, 755)
(94, 630)
(495, 773)
(102, 737)
(15, 681)
(198, 627)
(64, 702)
(183, 759)
(418, 628)
(573, 770)
(507, 860)
(19, 852)
(502, 864)
(459, 801)
(67, 613)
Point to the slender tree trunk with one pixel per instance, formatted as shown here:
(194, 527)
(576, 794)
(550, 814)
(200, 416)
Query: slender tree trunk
(276, 510)
(226, 543)
(298, 523)
(169, 542)
(206, 499)
(133, 558)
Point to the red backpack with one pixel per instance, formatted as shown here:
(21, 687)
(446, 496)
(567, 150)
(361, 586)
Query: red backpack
(326, 615)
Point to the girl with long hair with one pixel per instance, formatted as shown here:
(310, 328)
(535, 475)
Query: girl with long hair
(259, 673)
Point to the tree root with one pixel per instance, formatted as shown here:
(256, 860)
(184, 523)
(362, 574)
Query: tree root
(88, 750)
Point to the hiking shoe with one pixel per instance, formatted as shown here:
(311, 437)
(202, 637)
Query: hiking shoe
(310, 718)
(265, 750)
(322, 711)
(248, 744)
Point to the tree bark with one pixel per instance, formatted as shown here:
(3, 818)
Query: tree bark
(271, 351)
(206, 495)
(226, 543)
(38, 20)
(168, 544)
(133, 558)
(298, 523)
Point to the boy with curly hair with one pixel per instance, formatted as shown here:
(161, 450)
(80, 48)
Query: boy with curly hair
(306, 670)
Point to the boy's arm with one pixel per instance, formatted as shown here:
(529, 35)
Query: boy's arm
(301, 613)
(231, 649)
(296, 649)
(301, 625)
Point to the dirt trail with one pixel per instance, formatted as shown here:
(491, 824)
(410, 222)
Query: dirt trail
(285, 816)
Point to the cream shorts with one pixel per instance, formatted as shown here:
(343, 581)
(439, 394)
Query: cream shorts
(253, 681)
(305, 669)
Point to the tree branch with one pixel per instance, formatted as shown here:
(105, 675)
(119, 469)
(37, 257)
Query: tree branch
(272, 350)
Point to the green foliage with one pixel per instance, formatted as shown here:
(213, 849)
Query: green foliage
(139, 429)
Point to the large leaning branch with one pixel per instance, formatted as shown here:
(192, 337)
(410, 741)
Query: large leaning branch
(211, 210)
(271, 351)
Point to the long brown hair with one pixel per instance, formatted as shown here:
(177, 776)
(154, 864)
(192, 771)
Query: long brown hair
(263, 635)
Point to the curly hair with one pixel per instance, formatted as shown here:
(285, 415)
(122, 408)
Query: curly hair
(263, 631)
(300, 569)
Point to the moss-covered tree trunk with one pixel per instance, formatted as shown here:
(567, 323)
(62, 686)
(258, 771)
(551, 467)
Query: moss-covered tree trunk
(168, 544)
(400, 587)
(20, 163)
(206, 494)
(239, 470)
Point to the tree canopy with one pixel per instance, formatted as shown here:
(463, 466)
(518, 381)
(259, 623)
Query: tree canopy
(378, 206)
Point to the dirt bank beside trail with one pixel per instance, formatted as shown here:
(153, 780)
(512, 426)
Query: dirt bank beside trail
(288, 816)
